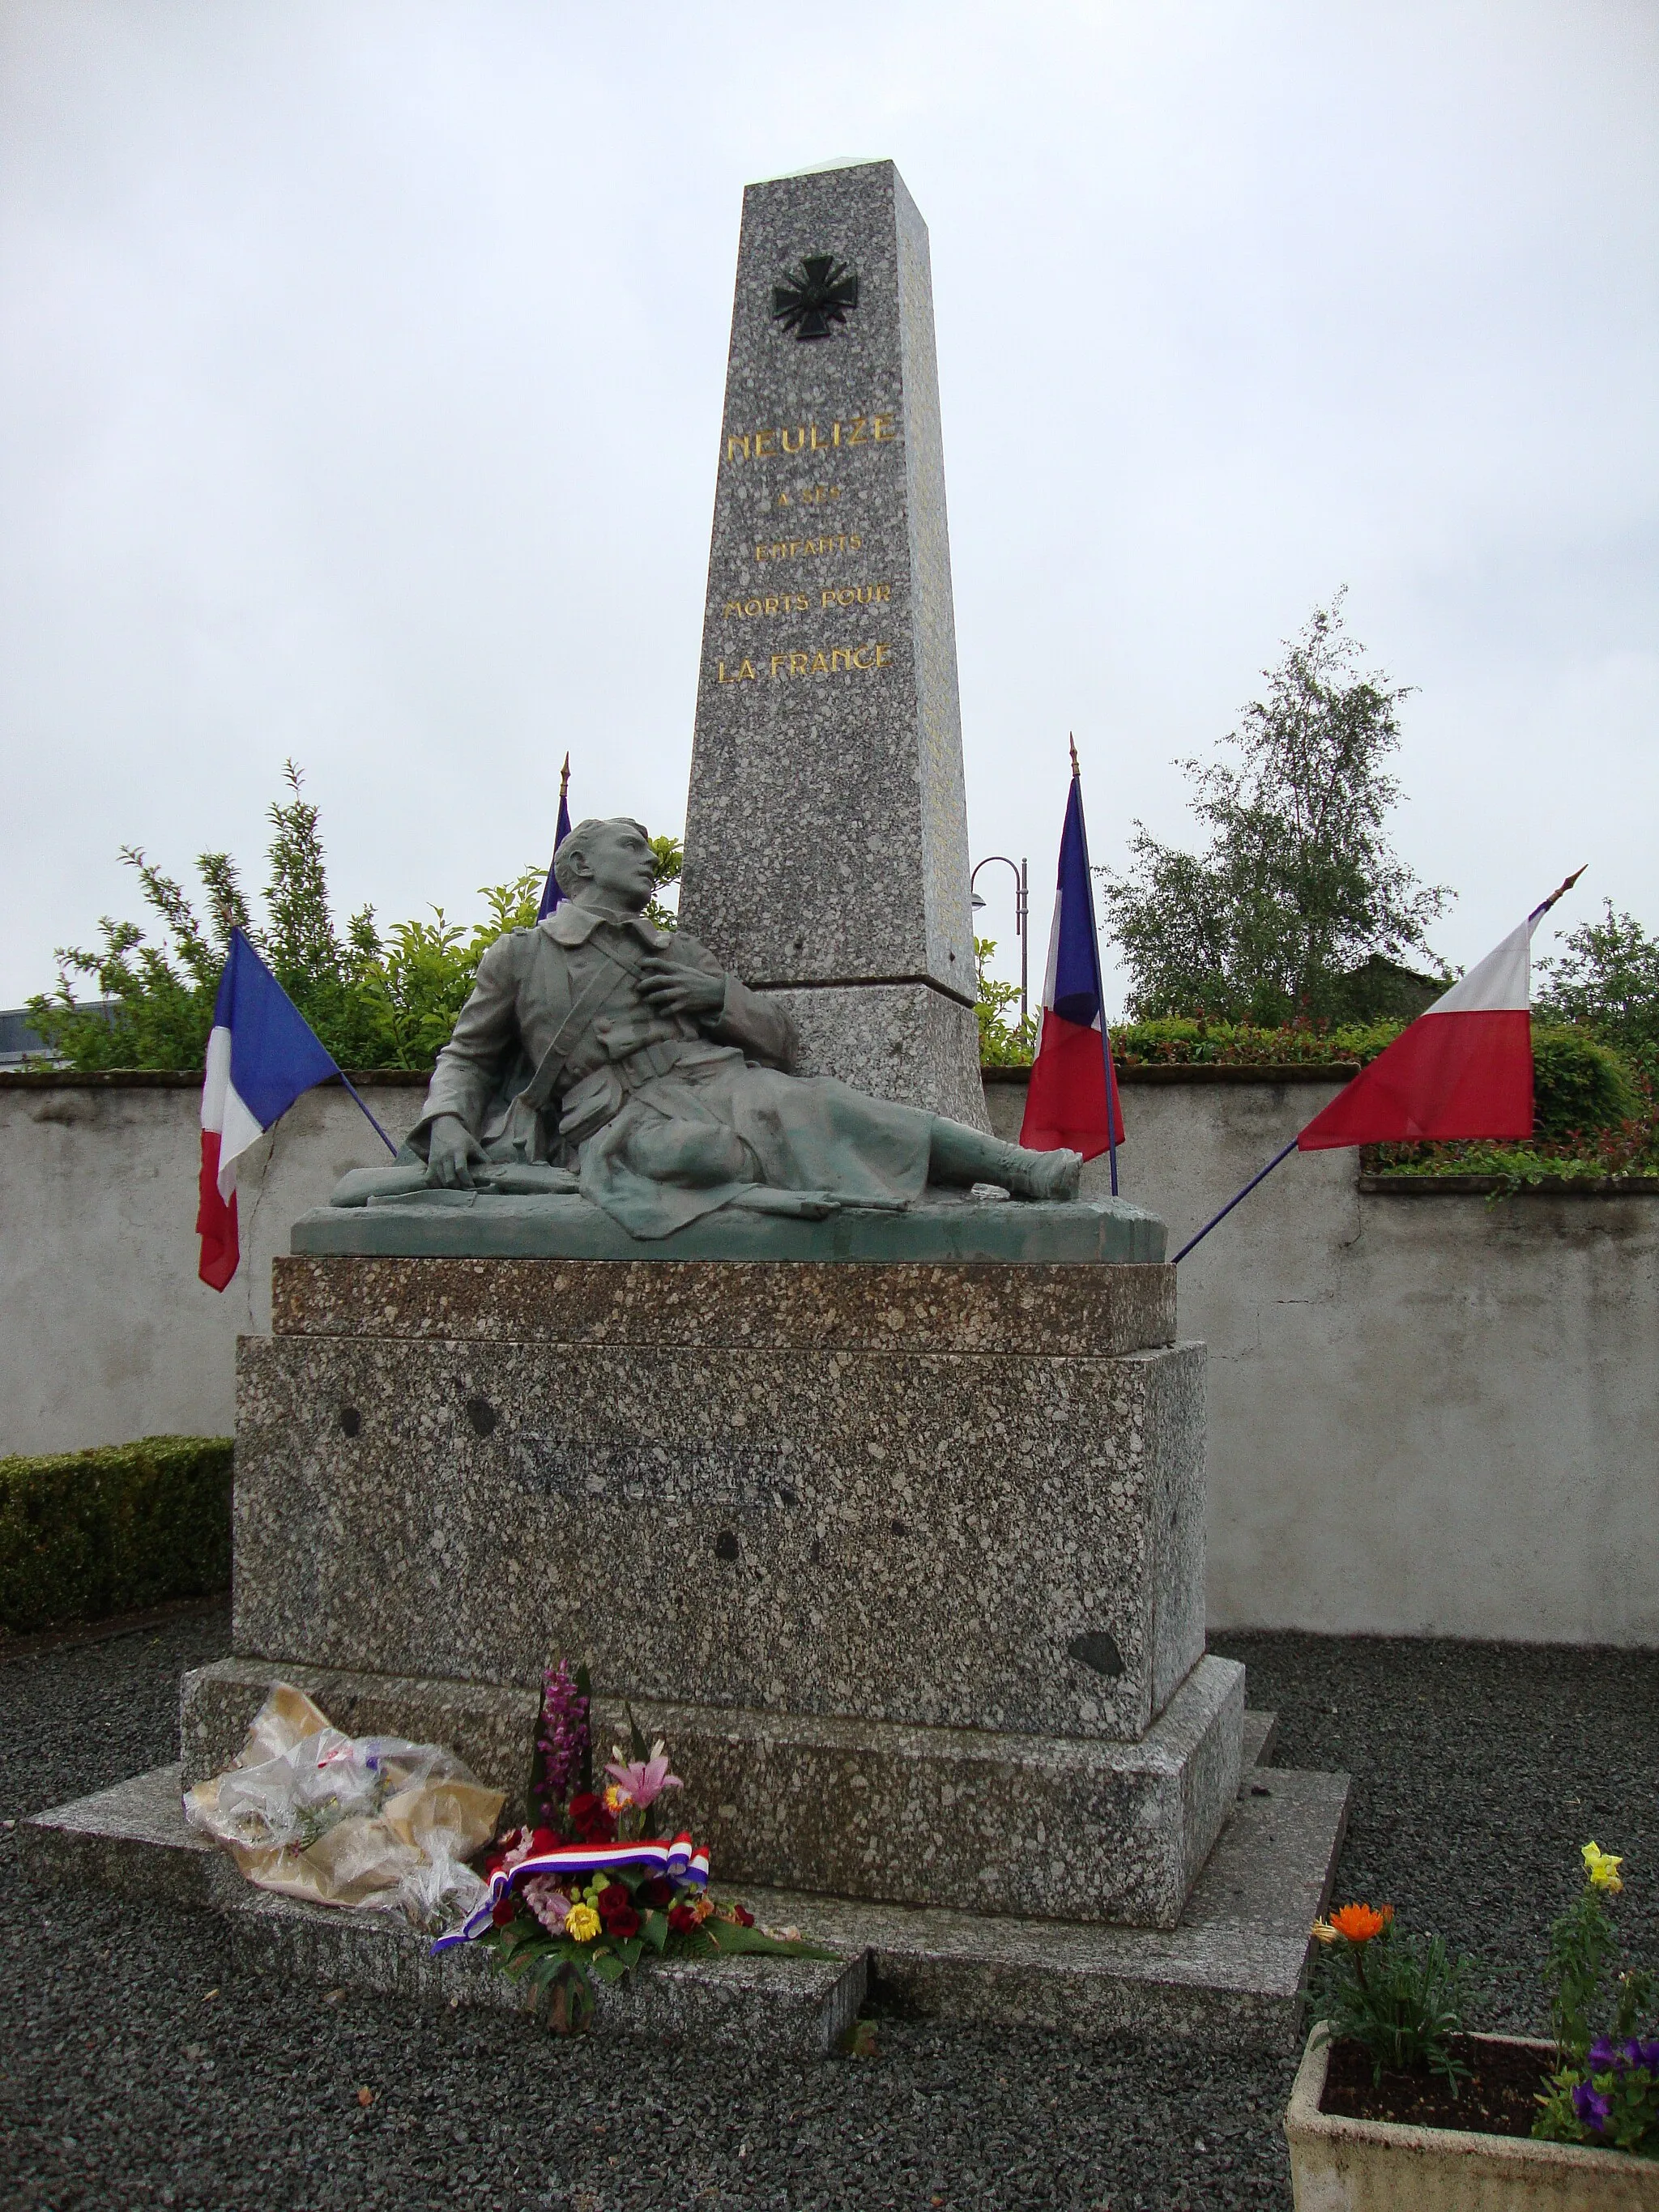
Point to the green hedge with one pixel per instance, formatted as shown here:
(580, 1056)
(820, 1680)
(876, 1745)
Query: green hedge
(84, 1535)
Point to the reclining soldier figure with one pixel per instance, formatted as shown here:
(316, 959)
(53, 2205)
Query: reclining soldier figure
(597, 1043)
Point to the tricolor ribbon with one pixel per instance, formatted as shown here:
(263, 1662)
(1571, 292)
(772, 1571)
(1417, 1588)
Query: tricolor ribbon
(681, 1860)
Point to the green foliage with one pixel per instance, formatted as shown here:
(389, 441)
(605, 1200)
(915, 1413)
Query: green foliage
(1179, 1042)
(84, 1535)
(375, 1000)
(1579, 1086)
(1583, 1944)
(1399, 1997)
(561, 1969)
(1002, 1043)
(1626, 2096)
(669, 854)
(1604, 2090)
(1606, 980)
(1298, 883)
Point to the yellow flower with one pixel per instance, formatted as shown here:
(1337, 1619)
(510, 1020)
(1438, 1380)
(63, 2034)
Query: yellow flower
(1322, 1932)
(1602, 1868)
(581, 1923)
(615, 1798)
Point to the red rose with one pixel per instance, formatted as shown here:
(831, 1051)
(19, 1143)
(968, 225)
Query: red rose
(681, 1919)
(544, 1840)
(622, 1923)
(591, 1821)
(658, 1891)
(506, 1909)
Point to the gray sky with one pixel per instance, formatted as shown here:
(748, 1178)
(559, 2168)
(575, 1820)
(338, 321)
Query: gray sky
(360, 370)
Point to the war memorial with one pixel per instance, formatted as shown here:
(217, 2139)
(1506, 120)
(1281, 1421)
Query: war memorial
(705, 1333)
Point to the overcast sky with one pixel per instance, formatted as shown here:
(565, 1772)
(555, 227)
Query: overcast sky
(360, 371)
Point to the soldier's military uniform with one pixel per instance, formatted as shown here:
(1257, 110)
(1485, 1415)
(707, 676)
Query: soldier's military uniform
(559, 1056)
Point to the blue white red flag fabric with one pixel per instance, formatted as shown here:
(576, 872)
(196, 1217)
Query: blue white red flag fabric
(551, 894)
(1073, 1101)
(1464, 1069)
(261, 1054)
(681, 1860)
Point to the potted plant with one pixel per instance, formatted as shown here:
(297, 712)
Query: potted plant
(1396, 2105)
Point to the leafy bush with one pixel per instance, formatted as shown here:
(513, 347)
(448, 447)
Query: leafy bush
(83, 1534)
(374, 1001)
(1580, 1088)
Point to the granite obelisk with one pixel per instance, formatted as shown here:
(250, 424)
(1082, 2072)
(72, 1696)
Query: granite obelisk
(826, 845)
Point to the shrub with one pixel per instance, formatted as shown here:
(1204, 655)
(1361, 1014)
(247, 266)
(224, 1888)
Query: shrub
(83, 1534)
(1579, 1086)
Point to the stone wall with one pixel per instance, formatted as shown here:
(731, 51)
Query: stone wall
(1427, 1414)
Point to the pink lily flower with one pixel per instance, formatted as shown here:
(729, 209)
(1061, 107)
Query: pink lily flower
(645, 1780)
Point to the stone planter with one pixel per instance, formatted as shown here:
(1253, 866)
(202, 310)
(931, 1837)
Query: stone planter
(1380, 2165)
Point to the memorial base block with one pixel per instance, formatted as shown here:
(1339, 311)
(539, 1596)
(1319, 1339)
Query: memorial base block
(904, 1561)
(1044, 1826)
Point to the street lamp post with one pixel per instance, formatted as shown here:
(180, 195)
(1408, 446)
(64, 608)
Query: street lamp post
(1022, 913)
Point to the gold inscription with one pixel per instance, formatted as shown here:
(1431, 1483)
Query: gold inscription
(853, 595)
(808, 437)
(841, 661)
(774, 603)
(799, 549)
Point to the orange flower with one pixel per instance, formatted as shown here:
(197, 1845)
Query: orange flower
(1359, 1923)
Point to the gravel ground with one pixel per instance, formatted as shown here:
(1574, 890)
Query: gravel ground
(132, 2078)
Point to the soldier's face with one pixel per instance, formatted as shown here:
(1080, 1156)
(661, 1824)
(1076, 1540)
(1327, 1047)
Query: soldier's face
(621, 872)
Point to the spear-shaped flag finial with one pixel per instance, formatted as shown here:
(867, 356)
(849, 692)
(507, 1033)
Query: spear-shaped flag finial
(551, 894)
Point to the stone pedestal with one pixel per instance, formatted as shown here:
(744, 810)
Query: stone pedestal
(826, 844)
(906, 1560)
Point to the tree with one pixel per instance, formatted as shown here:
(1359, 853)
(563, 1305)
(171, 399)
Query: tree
(1298, 885)
(1606, 980)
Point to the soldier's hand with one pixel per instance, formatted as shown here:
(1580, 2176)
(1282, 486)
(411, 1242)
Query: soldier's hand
(451, 1151)
(675, 987)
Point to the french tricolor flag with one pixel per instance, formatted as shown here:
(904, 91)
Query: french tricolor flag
(1072, 1102)
(1462, 1070)
(261, 1054)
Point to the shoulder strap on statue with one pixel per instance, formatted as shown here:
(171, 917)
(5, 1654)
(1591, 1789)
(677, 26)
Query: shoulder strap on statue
(611, 977)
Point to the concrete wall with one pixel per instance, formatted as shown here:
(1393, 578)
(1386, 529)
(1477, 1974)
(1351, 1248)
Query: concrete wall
(1428, 1415)
(106, 1331)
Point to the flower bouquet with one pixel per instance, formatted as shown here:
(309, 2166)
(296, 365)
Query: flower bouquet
(595, 1887)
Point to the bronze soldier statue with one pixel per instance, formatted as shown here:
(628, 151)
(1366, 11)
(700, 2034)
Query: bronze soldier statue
(597, 1043)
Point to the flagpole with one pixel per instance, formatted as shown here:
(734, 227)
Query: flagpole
(373, 1123)
(1232, 1202)
(1100, 980)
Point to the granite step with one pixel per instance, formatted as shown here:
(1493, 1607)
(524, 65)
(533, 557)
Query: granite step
(1234, 1965)
(133, 1839)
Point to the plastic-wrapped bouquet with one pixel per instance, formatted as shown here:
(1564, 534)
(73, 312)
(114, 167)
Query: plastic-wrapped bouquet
(596, 1887)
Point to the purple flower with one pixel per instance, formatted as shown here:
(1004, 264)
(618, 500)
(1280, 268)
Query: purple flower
(564, 1740)
(1646, 2054)
(1605, 2053)
(1594, 2110)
